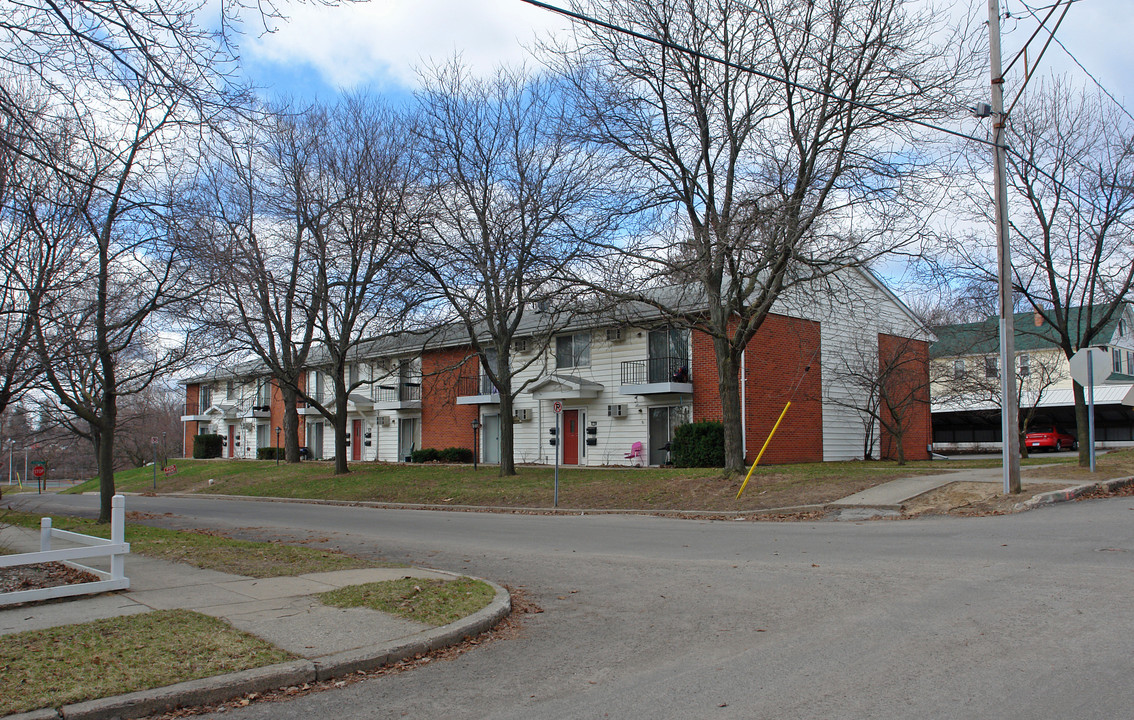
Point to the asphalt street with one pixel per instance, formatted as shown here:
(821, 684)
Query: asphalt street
(1020, 616)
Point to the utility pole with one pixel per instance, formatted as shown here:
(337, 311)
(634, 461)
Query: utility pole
(1009, 409)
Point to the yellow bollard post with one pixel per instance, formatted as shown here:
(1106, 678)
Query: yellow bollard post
(761, 453)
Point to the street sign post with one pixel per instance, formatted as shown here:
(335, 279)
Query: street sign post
(1087, 365)
(558, 407)
(39, 471)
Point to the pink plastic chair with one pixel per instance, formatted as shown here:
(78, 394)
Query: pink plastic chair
(636, 453)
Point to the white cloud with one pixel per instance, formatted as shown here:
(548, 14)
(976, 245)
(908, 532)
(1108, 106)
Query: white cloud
(382, 41)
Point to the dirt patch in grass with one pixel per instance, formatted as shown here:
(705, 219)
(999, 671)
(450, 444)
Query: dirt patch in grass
(73, 663)
(1112, 464)
(433, 602)
(972, 499)
(41, 575)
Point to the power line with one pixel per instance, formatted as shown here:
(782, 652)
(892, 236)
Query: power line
(751, 70)
(1076, 61)
(768, 76)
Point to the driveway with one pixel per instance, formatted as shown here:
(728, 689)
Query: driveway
(1022, 616)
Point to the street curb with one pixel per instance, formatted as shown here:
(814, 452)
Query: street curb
(503, 509)
(220, 688)
(1071, 493)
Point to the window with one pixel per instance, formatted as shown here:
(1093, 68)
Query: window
(1023, 363)
(263, 392)
(229, 387)
(1116, 354)
(958, 369)
(1129, 363)
(1122, 328)
(573, 350)
(992, 367)
(352, 375)
(263, 436)
(205, 399)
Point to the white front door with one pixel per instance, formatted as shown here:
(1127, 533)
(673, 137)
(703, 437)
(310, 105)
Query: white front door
(490, 439)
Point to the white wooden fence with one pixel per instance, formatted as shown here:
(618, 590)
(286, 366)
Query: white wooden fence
(115, 548)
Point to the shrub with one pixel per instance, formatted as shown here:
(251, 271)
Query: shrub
(698, 445)
(269, 453)
(425, 455)
(208, 446)
(455, 455)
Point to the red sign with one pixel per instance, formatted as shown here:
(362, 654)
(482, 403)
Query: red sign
(169, 470)
(39, 471)
(557, 406)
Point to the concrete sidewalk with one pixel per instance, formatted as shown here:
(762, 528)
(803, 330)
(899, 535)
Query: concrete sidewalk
(282, 610)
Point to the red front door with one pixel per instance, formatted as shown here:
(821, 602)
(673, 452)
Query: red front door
(232, 441)
(356, 441)
(570, 437)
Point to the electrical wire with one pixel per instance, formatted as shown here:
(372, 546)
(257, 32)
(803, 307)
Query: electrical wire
(751, 70)
(1046, 45)
(1076, 61)
(767, 76)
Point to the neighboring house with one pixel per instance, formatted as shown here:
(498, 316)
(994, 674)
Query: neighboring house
(966, 385)
(626, 378)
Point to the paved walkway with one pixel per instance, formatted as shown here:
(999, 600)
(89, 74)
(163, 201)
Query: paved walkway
(891, 495)
(282, 610)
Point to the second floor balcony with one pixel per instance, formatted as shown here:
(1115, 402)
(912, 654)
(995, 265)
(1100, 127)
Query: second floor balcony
(656, 376)
(401, 396)
(477, 390)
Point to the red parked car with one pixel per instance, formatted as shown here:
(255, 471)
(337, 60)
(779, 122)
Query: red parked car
(1050, 438)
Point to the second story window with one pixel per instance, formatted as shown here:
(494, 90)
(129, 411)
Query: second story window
(958, 369)
(1116, 354)
(991, 367)
(1023, 364)
(573, 350)
(229, 390)
(205, 399)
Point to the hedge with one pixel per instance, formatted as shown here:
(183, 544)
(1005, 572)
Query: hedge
(269, 453)
(449, 455)
(698, 445)
(208, 446)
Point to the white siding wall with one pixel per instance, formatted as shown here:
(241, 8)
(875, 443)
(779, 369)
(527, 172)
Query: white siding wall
(851, 313)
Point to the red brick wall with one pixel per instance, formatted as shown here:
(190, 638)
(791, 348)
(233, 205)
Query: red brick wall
(775, 363)
(908, 363)
(444, 423)
(192, 395)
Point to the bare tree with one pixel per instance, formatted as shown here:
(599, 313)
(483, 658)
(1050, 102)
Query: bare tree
(266, 299)
(365, 178)
(761, 184)
(884, 378)
(1072, 218)
(512, 202)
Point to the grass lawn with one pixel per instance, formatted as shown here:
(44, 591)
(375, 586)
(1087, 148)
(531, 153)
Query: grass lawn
(579, 488)
(433, 602)
(73, 663)
(207, 550)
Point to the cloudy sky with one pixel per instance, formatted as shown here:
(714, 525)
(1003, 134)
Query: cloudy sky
(377, 44)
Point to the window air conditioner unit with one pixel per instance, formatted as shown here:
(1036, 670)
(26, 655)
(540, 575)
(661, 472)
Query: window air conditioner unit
(384, 420)
(522, 415)
(614, 334)
(521, 345)
(616, 410)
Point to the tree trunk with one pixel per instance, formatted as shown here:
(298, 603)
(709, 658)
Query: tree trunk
(341, 467)
(290, 423)
(1082, 423)
(728, 387)
(105, 449)
(507, 430)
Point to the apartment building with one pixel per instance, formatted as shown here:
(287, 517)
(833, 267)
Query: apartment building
(618, 378)
(966, 380)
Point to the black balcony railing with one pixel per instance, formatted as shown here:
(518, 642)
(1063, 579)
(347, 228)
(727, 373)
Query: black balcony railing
(469, 386)
(655, 370)
(403, 392)
(192, 408)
